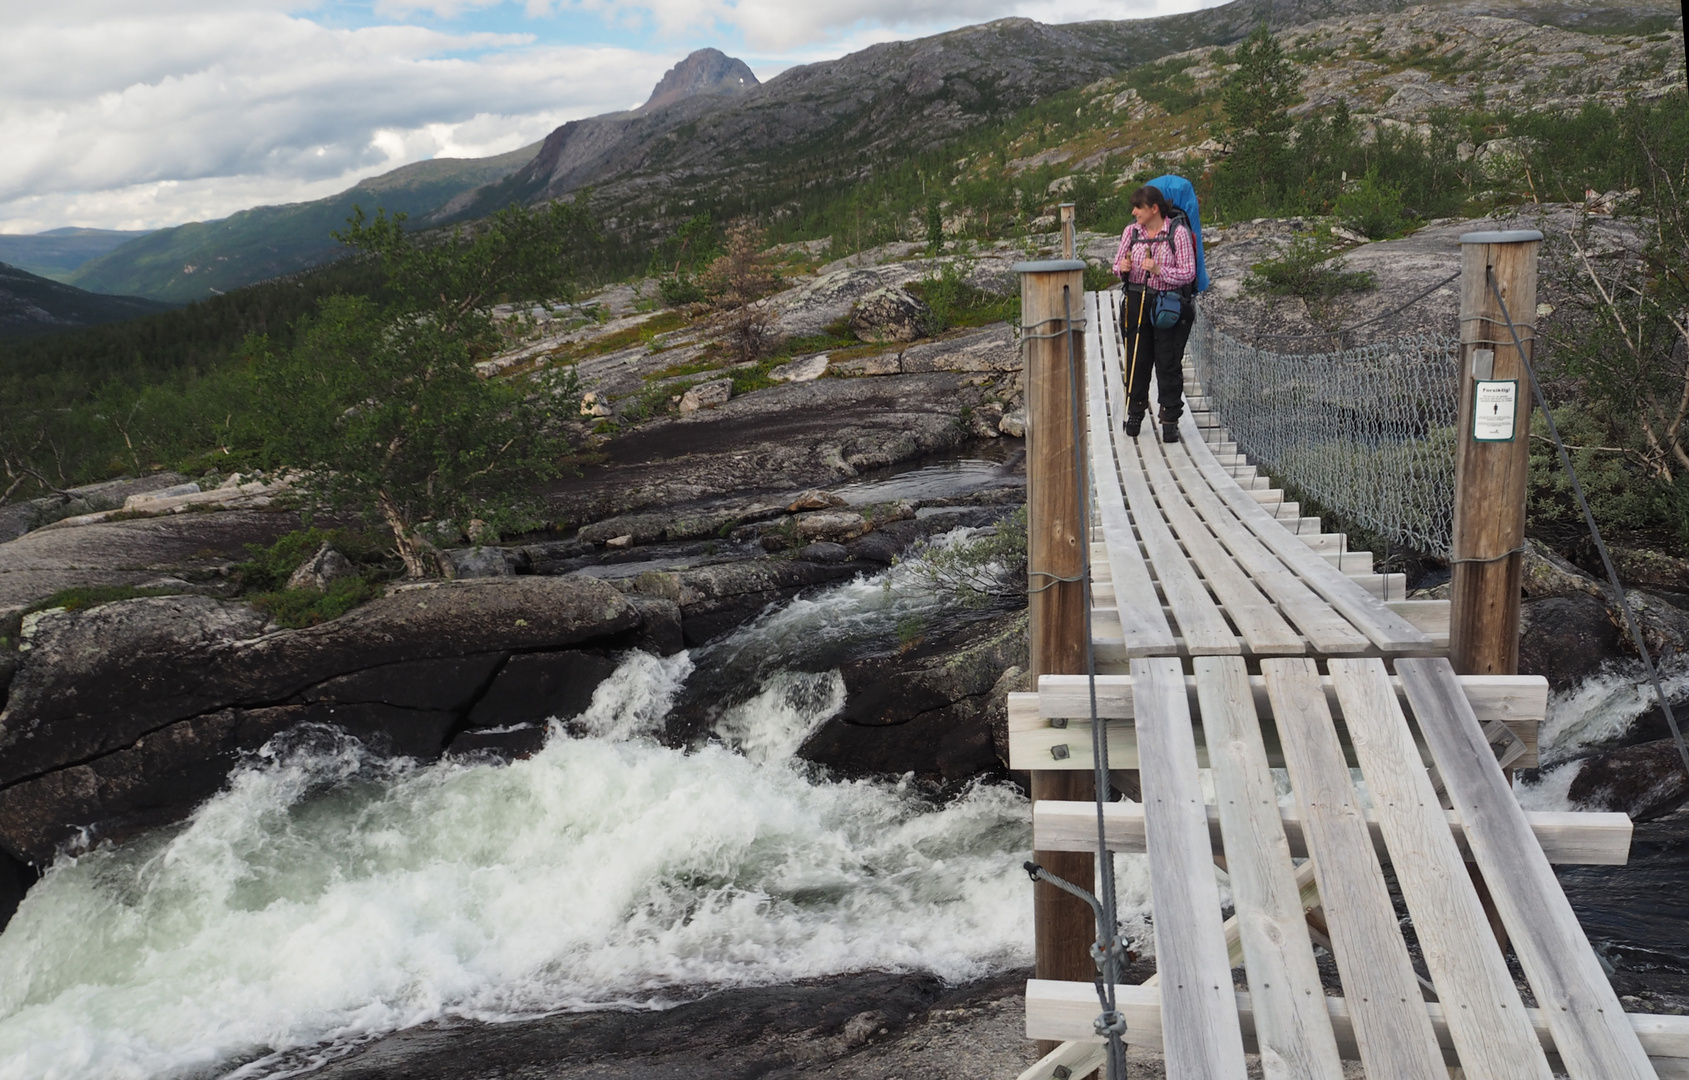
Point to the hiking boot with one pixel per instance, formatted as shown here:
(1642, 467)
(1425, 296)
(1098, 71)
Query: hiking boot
(1169, 433)
(1134, 424)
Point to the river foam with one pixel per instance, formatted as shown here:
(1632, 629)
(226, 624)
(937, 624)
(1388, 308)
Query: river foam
(326, 896)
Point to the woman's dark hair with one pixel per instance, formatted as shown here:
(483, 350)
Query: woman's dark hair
(1152, 196)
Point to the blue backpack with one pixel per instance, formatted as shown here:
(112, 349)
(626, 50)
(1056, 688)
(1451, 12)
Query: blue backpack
(1183, 198)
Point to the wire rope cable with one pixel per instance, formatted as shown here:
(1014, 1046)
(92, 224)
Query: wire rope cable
(1108, 950)
(1594, 529)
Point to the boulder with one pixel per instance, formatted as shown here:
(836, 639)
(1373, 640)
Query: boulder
(536, 687)
(486, 562)
(814, 499)
(1644, 781)
(706, 396)
(321, 570)
(837, 526)
(931, 709)
(891, 314)
(801, 370)
(1013, 424)
(823, 552)
(1547, 574)
(1567, 639)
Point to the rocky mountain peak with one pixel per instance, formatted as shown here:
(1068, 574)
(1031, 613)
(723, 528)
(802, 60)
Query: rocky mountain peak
(707, 71)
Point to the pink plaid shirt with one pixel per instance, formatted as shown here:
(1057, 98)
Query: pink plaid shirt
(1175, 263)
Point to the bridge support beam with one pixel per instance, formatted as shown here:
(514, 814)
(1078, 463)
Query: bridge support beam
(1492, 451)
(1051, 293)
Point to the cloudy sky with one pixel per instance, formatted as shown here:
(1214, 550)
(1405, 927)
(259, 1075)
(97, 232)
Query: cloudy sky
(123, 114)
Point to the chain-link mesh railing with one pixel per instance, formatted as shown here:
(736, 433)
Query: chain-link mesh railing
(1367, 431)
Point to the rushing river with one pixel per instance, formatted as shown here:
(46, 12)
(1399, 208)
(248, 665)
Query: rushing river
(326, 897)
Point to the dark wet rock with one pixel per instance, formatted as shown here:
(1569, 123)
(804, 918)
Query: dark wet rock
(507, 743)
(451, 683)
(93, 681)
(535, 687)
(487, 562)
(16, 877)
(824, 552)
(782, 439)
(164, 774)
(661, 627)
(930, 708)
(96, 680)
(551, 556)
(863, 1023)
(715, 599)
(1644, 781)
(1567, 639)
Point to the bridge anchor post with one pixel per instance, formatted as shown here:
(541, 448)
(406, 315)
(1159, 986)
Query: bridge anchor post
(1492, 451)
(1051, 293)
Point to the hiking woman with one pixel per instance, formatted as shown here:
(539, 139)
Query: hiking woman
(1157, 260)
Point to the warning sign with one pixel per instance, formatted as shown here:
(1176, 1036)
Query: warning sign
(1495, 403)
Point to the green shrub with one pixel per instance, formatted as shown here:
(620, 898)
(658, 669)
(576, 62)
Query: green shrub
(299, 608)
(1308, 271)
(1374, 208)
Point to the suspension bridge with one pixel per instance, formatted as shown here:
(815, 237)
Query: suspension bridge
(1201, 634)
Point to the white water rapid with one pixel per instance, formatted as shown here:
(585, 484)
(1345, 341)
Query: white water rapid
(326, 897)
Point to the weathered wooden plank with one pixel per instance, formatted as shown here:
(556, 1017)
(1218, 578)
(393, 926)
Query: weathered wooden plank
(1056, 1010)
(1327, 629)
(1202, 1040)
(1366, 612)
(1486, 1016)
(1144, 628)
(1508, 698)
(1257, 620)
(1567, 838)
(1292, 1028)
(1204, 629)
(1590, 1032)
(1396, 1043)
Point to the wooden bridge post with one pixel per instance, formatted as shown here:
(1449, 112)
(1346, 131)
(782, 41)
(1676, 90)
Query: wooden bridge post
(1492, 451)
(1050, 292)
(1069, 242)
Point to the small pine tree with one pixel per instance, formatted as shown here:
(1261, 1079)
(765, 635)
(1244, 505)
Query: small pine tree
(734, 282)
(378, 406)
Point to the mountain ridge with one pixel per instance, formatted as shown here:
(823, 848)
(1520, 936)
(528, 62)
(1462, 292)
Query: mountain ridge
(31, 304)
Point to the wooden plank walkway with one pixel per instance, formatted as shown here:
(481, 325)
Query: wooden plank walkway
(1233, 635)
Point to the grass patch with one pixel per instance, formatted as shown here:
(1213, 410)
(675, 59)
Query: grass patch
(87, 596)
(1309, 272)
(299, 608)
(646, 333)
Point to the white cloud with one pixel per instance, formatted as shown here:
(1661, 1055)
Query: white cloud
(119, 114)
(191, 113)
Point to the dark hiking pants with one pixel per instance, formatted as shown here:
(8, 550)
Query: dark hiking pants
(1148, 349)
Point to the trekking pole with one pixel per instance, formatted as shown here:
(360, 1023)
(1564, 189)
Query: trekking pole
(1132, 365)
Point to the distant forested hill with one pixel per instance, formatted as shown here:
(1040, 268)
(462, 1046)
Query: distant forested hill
(205, 258)
(32, 305)
(57, 253)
